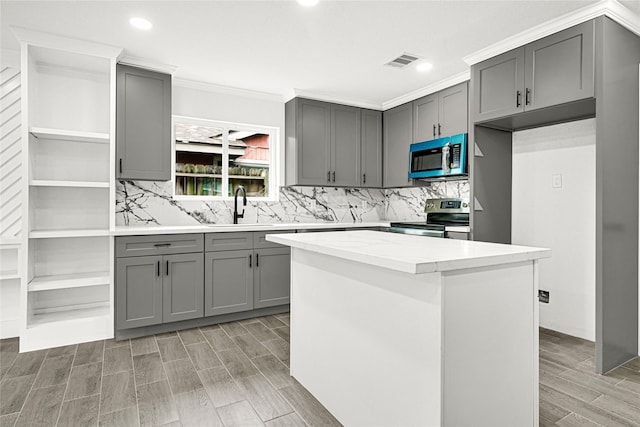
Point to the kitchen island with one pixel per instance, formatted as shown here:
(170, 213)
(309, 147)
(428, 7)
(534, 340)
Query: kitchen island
(400, 330)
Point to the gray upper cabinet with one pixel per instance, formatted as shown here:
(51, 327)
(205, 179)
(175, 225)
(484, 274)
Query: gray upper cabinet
(371, 149)
(143, 124)
(272, 277)
(324, 144)
(314, 126)
(560, 67)
(183, 286)
(345, 145)
(398, 135)
(453, 110)
(138, 292)
(498, 85)
(425, 118)
(441, 114)
(228, 281)
(554, 70)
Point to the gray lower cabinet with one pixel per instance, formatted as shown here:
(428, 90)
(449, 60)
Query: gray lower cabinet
(138, 292)
(398, 136)
(182, 286)
(143, 125)
(272, 277)
(228, 281)
(554, 70)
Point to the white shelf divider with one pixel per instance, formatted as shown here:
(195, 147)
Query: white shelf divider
(73, 184)
(67, 281)
(72, 313)
(9, 275)
(69, 135)
(78, 232)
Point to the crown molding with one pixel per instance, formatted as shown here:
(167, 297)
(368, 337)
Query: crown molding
(227, 90)
(54, 41)
(148, 64)
(610, 8)
(334, 99)
(427, 90)
(10, 58)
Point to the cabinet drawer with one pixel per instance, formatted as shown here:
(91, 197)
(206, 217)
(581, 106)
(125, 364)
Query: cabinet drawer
(228, 241)
(259, 241)
(158, 245)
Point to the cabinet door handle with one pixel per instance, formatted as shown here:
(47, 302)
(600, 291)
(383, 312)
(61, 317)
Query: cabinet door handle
(439, 129)
(329, 176)
(159, 245)
(257, 260)
(434, 131)
(364, 178)
(527, 95)
(167, 268)
(334, 176)
(158, 269)
(249, 261)
(518, 97)
(120, 165)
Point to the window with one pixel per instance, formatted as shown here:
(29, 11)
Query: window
(214, 158)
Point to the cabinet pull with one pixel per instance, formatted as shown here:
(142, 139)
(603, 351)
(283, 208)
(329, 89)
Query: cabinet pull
(121, 165)
(257, 260)
(527, 94)
(439, 129)
(334, 176)
(434, 131)
(159, 245)
(364, 178)
(158, 269)
(329, 176)
(518, 97)
(249, 261)
(167, 268)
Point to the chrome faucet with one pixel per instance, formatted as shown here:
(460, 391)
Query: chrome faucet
(237, 215)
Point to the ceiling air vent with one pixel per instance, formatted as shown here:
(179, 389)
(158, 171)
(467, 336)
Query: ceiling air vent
(402, 60)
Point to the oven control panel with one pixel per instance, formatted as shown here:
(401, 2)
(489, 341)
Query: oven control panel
(446, 206)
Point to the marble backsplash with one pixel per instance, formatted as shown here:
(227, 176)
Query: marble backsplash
(152, 203)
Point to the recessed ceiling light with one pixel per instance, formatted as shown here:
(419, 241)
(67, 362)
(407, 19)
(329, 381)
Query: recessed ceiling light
(140, 23)
(308, 2)
(424, 66)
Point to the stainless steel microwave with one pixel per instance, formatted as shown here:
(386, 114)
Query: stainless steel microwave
(439, 157)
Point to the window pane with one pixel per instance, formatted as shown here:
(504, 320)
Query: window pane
(198, 160)
(249, 159)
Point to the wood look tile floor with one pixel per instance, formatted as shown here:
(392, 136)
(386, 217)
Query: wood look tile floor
(237, 374)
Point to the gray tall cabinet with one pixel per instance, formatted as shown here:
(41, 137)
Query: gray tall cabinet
(585, 71)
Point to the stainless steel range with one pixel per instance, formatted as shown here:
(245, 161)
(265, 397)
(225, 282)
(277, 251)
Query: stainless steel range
(445, 218)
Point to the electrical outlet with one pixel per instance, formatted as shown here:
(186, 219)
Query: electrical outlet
(556, 180)
(365, 205)
(312, 204)
(543, 296)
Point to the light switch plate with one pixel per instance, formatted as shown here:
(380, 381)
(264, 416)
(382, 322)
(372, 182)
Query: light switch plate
(556, 180)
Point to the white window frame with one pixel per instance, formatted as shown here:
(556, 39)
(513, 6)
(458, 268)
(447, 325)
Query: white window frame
(274, 157)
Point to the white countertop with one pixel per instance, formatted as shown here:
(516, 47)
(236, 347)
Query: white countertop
(221, 228)
(407, 253)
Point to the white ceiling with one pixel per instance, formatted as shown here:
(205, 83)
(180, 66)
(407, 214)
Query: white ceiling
(336, 49)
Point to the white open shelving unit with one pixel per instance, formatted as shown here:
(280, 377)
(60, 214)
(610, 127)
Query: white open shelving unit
(68, 125)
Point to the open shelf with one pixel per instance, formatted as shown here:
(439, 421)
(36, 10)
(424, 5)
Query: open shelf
(69, 135)
(76, 184)
(77, 232)
(67, 281)
(72, 313)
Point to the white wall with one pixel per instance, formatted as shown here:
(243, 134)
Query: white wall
(562, 219)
